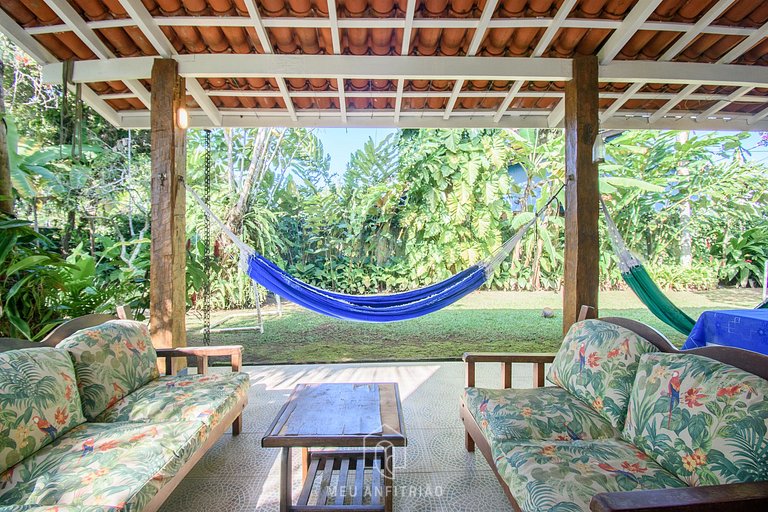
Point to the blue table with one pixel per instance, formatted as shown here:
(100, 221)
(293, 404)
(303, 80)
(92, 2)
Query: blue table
(742, 328)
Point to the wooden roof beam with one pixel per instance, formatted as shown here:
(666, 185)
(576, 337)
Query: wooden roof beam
(72, 19)
(336, 43)
(729, 57)
(399, 100)
(474, 45)
(412, 68)
(373, 118)
(631, 24)
(720, 105)
(24, 40)
(405, 49)
(266, 44)
(397, 23)
(758, 117)
(681, 44)
(29, 44)
(558, 112)
(161, 44)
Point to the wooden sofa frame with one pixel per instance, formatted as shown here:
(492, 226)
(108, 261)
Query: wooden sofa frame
(720, 498)
(200, 354)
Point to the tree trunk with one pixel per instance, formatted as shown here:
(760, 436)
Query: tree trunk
(66, 237)
(6, 189)
(536, 278)
(685, 211)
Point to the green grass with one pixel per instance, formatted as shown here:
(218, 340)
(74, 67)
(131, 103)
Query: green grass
(483, 321)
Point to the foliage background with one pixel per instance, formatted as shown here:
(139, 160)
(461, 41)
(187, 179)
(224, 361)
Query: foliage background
(409, 210)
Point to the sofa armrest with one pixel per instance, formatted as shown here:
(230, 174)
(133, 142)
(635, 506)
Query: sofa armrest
(720, 498)
(507, 359)
(201, 354)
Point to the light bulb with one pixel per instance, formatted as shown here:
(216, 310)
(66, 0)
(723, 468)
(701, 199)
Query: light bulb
(598, 150)
(182, 118)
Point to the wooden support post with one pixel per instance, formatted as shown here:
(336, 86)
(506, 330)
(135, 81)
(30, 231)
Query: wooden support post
(168, 293)
(6, 189)
(582, 249)
(469, 443)
(506, 375)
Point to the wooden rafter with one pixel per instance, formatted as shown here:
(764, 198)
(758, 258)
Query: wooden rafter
(474, 45)
(729, 57)
(681, 44)
(266, 44)
(163, 46)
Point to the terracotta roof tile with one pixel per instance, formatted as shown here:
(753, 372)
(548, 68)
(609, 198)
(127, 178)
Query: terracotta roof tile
(129, 41)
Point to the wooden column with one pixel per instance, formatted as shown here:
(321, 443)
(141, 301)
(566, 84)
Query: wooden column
(582, 248)
(6, 189)
(168, 294)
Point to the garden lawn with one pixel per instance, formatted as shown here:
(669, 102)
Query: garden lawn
(483, 321)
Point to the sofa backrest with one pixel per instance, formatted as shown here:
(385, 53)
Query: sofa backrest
(111, 360)
(38, 401)
(703, 420)
(645, 331)
(66, 329)
(596, 363)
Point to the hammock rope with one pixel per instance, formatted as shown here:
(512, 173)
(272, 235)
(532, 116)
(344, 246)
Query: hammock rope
(369, 308)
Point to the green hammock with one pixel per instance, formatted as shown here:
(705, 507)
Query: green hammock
(640, 282)
(638, 279)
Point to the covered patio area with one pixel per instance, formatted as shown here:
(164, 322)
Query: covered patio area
(433, 473)
(583, 65)
(586, 66)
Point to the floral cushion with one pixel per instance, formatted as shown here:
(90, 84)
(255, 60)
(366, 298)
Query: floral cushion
(597, 363)
(541, 413)
(111, 360)
(39, 401)
(564, 476)
(703, 420)
(106, 465)
(204, 398)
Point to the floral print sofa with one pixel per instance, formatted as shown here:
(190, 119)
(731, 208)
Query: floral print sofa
(90, 425)
(624, 416)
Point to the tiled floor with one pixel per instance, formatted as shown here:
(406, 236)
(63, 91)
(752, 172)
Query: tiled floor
(433, 473)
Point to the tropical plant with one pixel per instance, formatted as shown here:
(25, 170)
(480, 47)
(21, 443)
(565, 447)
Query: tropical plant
(745, 255)
(30, 279)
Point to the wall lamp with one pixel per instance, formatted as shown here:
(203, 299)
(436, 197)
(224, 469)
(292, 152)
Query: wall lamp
(182, 118)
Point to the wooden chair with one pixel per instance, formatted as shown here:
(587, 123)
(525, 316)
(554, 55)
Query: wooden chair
(7, 344)
(721, 498)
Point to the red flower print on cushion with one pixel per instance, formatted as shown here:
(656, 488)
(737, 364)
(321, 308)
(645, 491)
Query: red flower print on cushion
(633, 467)
(692, 397)
(61, 416)
(729, 391)
(594, 360)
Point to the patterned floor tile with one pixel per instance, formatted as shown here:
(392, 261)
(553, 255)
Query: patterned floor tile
(462, 492)
(237, 456)
(447, 452)
(205, 494)
(434, 473)
(415, 457)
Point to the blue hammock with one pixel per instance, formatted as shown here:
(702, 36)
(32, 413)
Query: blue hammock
(368, 308)
(365, 308)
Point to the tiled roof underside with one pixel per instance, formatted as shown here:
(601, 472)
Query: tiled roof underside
(516, 28)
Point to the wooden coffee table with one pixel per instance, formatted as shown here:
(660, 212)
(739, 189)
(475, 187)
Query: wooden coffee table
(364, 419)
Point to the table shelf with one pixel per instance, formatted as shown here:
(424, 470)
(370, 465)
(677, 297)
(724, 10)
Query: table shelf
(343, 480)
